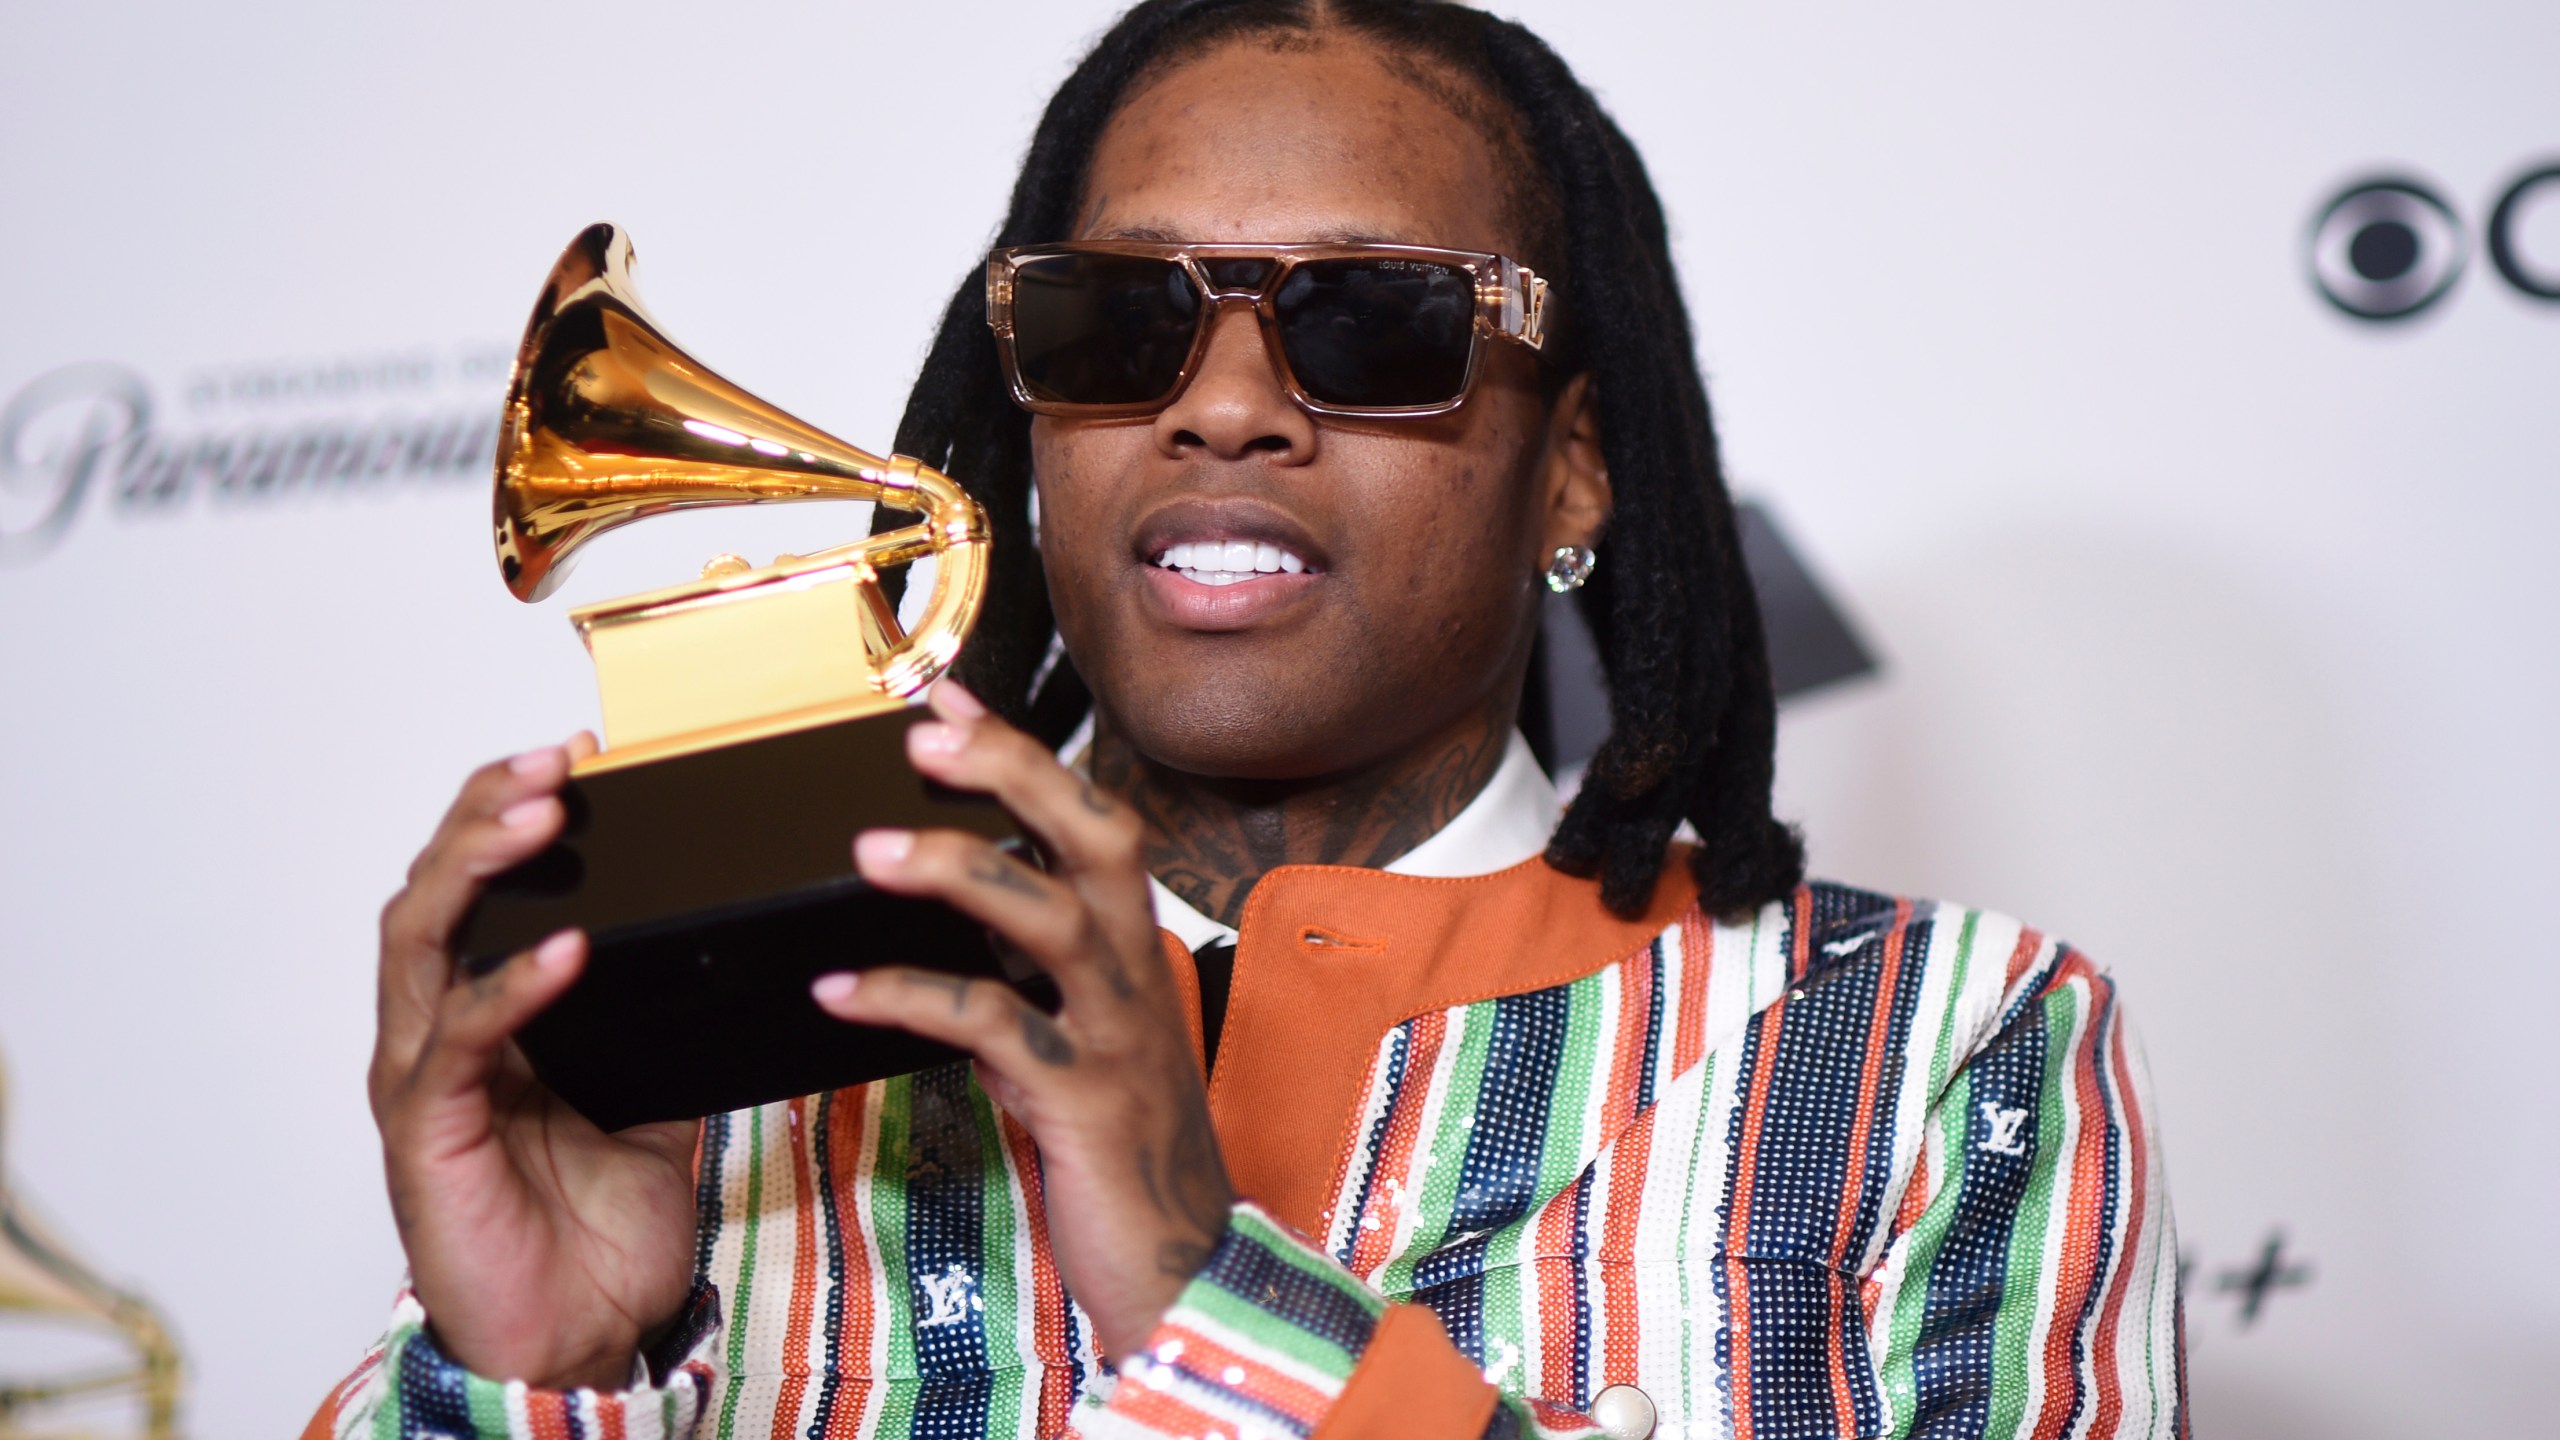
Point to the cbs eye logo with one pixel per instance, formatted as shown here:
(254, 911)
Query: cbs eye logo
(2390, 247)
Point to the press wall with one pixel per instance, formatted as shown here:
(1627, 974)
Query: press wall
(2214, 620)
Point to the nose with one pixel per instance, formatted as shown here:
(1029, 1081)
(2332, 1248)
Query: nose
(1235, 405)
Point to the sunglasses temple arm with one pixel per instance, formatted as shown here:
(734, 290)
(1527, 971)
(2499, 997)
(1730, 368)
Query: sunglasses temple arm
(999, 295)
(1521, 306)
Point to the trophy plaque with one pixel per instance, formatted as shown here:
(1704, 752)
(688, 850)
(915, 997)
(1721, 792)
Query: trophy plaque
(754, 721)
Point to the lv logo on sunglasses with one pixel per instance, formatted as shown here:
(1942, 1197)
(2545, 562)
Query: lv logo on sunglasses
(1117, 328)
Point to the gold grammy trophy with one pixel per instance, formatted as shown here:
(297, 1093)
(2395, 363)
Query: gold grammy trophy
(754, 720)
(41, 1283)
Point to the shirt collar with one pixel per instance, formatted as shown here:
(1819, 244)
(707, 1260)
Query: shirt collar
(1510, 820)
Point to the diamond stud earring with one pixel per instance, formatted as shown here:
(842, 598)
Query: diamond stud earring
(1570, 568)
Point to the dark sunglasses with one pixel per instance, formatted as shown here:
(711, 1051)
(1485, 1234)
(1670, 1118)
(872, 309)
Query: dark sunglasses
(1117, 328)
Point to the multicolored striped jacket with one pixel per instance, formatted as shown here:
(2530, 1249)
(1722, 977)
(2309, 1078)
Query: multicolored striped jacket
(1855, 1166)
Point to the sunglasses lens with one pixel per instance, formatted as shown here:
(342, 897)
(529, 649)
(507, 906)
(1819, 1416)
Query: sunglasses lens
(1378, 333)
(1102, 329)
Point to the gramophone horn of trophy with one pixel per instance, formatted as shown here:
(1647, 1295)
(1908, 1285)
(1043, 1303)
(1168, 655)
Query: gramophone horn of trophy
(41, 1282)
(754, 721)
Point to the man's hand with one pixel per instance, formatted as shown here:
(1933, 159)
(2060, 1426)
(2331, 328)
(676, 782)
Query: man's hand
(542, 1248)
(1136, 1191)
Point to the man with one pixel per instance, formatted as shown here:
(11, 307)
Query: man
(1423, 1113)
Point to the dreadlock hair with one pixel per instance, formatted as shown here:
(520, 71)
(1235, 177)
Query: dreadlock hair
(1692, 714)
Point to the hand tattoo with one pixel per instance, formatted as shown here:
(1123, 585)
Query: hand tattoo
(1007, 875)
(1115, 974)
(1192, 1192)
(957, 985)
(1047, 1042)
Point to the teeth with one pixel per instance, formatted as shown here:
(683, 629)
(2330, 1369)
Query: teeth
(1230, 562)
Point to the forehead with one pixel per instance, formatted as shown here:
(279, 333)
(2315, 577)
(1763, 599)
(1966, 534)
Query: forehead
(1254, 143)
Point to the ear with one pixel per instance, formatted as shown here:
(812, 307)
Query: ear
(1576, 479)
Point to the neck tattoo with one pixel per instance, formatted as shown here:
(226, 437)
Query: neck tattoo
(1209, 840)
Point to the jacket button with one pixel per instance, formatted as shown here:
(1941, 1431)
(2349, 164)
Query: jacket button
(1623, 1412)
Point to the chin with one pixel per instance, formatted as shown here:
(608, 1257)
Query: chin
(1232, 733)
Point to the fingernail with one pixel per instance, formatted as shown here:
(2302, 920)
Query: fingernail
(953, 699)
(525, 812)
(883, 847)
(935, 738)
(834, 989)
(535, 761)
(557, 951)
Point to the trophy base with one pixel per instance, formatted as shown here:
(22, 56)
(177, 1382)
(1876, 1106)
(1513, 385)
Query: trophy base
(714, 887)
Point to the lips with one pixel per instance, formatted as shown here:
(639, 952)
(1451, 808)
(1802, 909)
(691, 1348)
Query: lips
(1225, 564)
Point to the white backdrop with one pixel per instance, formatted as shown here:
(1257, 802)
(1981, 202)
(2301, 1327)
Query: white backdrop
(2216, 623)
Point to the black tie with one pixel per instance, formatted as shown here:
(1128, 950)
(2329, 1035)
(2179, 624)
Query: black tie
(1216, 962)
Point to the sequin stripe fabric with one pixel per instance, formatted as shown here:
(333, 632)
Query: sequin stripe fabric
(348, 1411)
(1524, 1171)
(1856, 1166)
(882, 1265)
(1259, 1345)
(2033, 1289)
(410, 1390)
(887, 1270)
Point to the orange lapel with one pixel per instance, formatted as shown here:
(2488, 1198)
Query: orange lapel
(1332, 957)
